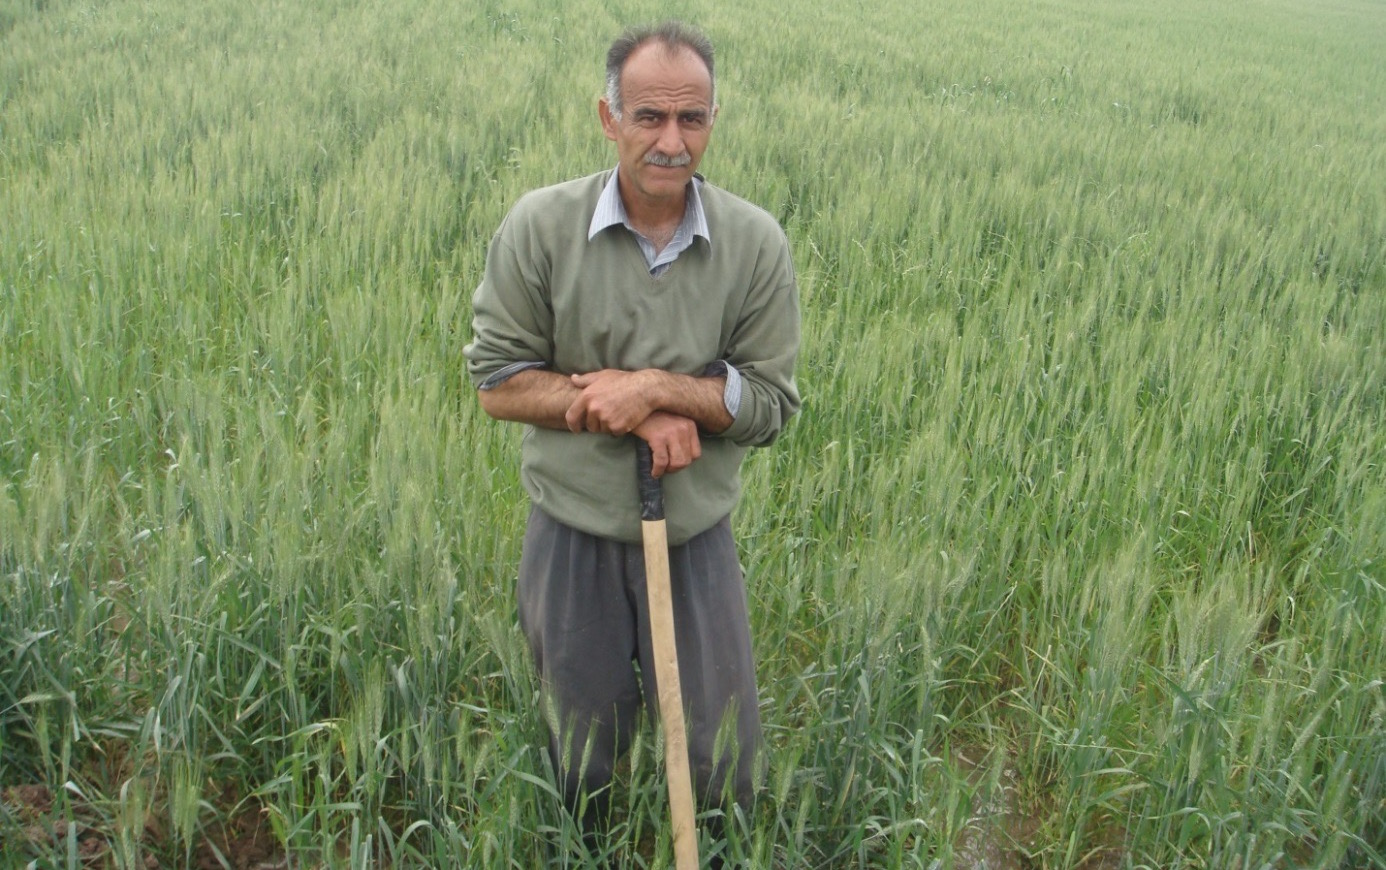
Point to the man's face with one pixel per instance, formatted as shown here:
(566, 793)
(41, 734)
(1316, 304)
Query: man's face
(666, 119)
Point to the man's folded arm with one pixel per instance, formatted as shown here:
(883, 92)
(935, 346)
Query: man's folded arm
(530, 394)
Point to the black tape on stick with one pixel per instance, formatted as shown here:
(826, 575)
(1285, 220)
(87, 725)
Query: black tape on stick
(651, 492)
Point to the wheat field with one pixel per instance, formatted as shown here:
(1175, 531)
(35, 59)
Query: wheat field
(1075, 557)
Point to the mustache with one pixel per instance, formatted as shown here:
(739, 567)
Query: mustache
(654, 158)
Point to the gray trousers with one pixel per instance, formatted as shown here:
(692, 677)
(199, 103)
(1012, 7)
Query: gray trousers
(583, 609)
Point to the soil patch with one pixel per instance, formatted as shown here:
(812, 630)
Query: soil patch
(30, 815)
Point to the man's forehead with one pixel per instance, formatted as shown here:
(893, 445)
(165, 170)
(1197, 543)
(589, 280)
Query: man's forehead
(662, 72)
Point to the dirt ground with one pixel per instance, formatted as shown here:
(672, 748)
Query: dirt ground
(246, 843)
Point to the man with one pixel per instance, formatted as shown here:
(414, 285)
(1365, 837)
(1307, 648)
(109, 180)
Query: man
(639, 303)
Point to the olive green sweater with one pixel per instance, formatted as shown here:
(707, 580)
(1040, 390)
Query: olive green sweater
(551, 296)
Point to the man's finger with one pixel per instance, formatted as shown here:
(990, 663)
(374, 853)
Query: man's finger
(576, 416)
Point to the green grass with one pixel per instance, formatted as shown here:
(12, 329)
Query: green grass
(1076, 551)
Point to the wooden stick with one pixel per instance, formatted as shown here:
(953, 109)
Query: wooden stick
(656, 540)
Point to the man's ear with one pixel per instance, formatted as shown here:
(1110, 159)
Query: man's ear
(608, 120)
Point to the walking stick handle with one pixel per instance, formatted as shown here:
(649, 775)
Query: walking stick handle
(651, 492)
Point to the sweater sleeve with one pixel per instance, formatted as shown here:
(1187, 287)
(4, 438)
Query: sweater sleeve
(512, 318)
(764, 347)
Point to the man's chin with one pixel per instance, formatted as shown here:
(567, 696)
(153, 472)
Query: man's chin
(669, 181)
(657, 171)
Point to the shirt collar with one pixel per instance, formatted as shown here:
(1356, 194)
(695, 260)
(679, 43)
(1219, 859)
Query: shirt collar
(611, 211)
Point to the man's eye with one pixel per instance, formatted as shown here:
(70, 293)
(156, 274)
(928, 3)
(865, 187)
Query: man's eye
(693, 121)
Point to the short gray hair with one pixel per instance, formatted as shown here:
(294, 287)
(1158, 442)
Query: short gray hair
(673, 35)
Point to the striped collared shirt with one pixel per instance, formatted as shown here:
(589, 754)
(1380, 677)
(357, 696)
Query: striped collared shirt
(611, 211)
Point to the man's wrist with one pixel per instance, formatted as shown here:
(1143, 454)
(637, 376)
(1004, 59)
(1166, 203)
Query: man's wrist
(701, 398)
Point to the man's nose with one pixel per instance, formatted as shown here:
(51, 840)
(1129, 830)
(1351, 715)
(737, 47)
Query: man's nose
(670, 137)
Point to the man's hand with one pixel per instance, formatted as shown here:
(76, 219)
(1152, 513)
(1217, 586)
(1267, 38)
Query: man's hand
(673, 442)
(616, 402)
(611, 401)
(605, 401)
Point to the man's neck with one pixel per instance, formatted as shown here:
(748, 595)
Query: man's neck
(653, 218)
